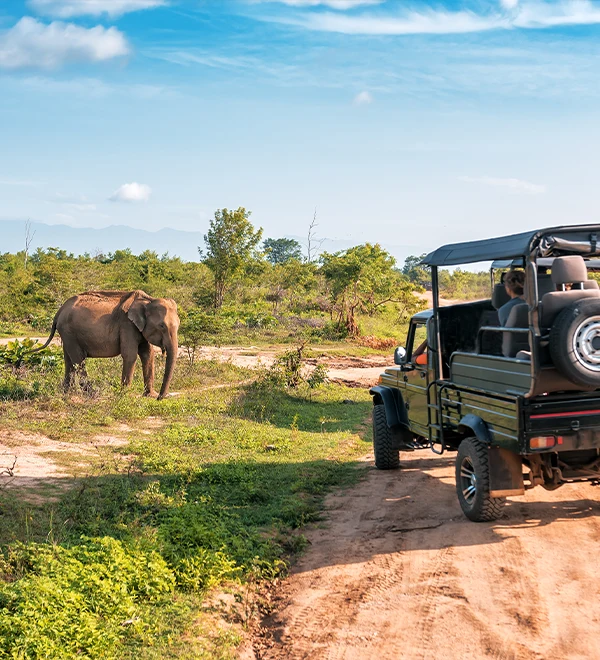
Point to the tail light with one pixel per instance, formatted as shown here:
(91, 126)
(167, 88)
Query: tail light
(542, 442)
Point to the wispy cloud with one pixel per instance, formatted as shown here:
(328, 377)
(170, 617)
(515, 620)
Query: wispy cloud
(72, 8)
(74, 203)
(363, 98)
(516, 185)
(333, 4)
(90, 87)
(32, 44)
(529, 15)
(132, 192)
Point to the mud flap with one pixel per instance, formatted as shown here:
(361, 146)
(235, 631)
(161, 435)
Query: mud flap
(506, 473)
(402, 439)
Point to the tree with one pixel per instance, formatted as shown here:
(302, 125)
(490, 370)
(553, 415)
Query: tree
(29, 234)
(231, 243)
(281, 250)
(363, 278)
(313, 244)
(414, 271)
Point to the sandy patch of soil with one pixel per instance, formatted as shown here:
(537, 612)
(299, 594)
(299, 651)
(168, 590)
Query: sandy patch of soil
(30, 461)
(398, 572)
(349, 370)
(427, 296)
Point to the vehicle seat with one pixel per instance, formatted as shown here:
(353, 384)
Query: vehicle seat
(591, 284)
(499, 296)
(513, 342)
(545, 285)
(491, 342)
(566, 270)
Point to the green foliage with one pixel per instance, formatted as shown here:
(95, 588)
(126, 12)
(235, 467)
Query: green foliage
(290, 370)
(464, 284)
(363, 278)
(199, 327)
(414, 271)
(82, 601)
(18, 353)
(231, 244)
(282, 250)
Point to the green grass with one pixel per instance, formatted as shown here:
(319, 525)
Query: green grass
(215, 495)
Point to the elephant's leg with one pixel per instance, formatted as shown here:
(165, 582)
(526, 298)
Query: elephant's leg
(129, 358)
(84, 380)
(69, 373)
(74, 362)
(146, 353)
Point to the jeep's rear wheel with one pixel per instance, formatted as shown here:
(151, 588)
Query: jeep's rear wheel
(386, 457)
(473, 482)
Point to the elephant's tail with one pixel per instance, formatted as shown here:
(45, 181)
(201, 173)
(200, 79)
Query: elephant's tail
(50, 338)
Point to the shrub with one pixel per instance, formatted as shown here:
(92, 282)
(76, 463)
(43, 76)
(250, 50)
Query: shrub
(289, 370)
(18, 353)
(82, 601)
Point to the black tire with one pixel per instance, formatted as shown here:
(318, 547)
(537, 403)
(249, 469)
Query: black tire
(473, 472)
(386, 457)
(575, 342)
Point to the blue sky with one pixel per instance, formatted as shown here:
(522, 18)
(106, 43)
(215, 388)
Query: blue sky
(401, 122)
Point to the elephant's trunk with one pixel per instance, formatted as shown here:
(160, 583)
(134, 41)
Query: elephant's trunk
(171, 349)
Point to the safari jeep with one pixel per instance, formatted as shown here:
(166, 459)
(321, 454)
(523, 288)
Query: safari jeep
(520, 404)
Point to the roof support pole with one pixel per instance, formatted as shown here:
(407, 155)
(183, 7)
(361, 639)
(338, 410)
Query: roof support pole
(437, 353)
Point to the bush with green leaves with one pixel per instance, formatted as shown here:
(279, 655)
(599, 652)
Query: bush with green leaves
(199, 328)
(83, 601)
(19, 353)
(290, 370)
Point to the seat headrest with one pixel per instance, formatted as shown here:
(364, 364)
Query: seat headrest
(499, 296)
(566, 270)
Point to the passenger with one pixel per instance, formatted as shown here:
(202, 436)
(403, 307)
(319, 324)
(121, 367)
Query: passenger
(514, 281)
(420, 355)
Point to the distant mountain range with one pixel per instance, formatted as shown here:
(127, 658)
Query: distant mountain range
(183, 244)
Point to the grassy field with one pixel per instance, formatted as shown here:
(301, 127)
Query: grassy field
(153, 546)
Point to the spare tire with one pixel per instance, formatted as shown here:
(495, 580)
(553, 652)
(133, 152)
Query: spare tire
(575, 342)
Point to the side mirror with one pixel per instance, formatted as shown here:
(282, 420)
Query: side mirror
(400, 355)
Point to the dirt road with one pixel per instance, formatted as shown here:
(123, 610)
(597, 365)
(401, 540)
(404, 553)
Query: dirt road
(399, 573)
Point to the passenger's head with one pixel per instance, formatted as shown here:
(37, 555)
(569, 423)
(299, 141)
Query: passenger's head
(514, 281)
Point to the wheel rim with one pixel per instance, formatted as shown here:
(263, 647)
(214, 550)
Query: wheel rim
(468, 480)
(586, 343)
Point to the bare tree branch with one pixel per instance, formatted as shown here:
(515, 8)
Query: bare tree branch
(28, 240)
(313, 244)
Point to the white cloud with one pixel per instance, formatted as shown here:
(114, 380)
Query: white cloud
(132, 192)
(72, 8)
(334, 4)
(516, 185)
(529, 15)
(363, 98)
(413, 22)
(31, 43)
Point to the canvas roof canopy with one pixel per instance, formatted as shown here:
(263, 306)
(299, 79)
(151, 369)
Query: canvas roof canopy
(551, 242)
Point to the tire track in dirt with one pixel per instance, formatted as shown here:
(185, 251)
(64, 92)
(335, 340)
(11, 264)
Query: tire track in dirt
(398, 572)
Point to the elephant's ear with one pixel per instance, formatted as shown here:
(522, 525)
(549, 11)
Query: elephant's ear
(135, 308)
(136, 313)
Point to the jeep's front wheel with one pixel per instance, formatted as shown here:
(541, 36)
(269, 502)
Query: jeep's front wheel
(473, 482)
(386, 457)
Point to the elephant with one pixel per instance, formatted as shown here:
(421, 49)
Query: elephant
(102, 324)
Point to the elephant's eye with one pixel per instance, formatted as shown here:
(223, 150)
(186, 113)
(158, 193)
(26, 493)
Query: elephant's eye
(162, 325)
